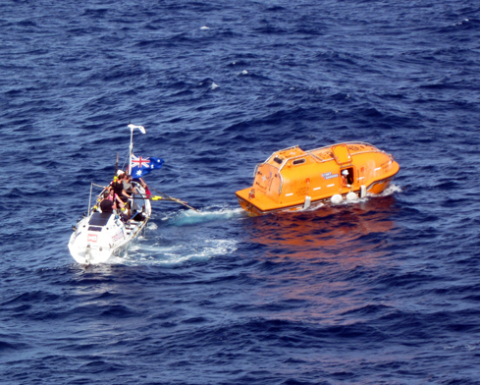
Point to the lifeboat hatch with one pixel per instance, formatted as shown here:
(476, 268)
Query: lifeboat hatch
(347, 176)
(341, 154)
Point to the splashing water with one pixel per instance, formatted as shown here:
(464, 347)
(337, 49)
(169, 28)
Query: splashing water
(390, 190)
(190, 217)
(168, 244)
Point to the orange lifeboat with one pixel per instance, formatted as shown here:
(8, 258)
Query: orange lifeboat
(293, 179)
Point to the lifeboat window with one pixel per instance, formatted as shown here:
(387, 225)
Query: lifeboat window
(298, 161)
(278, 160)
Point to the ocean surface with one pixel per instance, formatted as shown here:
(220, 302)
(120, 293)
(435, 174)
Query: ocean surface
(382, 291)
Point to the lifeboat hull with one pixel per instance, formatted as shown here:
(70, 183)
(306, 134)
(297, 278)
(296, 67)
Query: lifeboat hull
(293, 179)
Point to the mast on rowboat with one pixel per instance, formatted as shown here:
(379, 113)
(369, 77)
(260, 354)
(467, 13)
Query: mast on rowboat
(129, 168)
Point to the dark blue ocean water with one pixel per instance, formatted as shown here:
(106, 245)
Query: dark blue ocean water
(385, 291)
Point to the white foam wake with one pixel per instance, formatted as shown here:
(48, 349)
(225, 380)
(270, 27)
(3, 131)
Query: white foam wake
(392, 189)
(166, 243)
(190, 217)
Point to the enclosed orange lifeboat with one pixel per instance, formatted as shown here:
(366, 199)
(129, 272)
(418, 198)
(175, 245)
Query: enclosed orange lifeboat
(293, 179)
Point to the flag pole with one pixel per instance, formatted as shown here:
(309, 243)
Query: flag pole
(130, 156)
(142, 130)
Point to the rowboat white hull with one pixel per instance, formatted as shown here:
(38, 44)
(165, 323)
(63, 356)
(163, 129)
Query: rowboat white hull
(99, 236)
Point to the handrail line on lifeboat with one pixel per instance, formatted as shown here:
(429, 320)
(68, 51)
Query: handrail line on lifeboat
(293, 158)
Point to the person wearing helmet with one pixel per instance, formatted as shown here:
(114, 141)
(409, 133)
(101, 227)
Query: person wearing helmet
(346, 178)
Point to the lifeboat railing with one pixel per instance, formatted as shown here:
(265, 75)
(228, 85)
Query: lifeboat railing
(372, 149)
(347, 143)
(315, 157)
(293, 158)
(256, 168)
(276, 152)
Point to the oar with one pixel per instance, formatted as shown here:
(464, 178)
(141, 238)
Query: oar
(167, 198)
(158, 197)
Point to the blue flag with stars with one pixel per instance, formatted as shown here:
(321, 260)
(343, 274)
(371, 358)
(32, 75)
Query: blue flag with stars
(142, 166)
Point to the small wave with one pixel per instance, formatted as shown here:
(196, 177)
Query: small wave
(152, 226)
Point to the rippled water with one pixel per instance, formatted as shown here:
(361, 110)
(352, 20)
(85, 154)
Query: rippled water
(384, 290)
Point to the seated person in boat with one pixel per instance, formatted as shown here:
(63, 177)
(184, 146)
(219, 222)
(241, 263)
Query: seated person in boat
(142, 183)
(118, 188)
(107, 205)
(127, 185)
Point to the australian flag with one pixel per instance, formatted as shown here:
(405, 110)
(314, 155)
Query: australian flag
(142, 166)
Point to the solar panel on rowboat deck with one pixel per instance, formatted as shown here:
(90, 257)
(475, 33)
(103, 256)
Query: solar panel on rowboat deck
(99, 219)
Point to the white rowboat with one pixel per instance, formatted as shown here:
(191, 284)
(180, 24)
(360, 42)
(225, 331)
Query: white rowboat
(99, 235)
